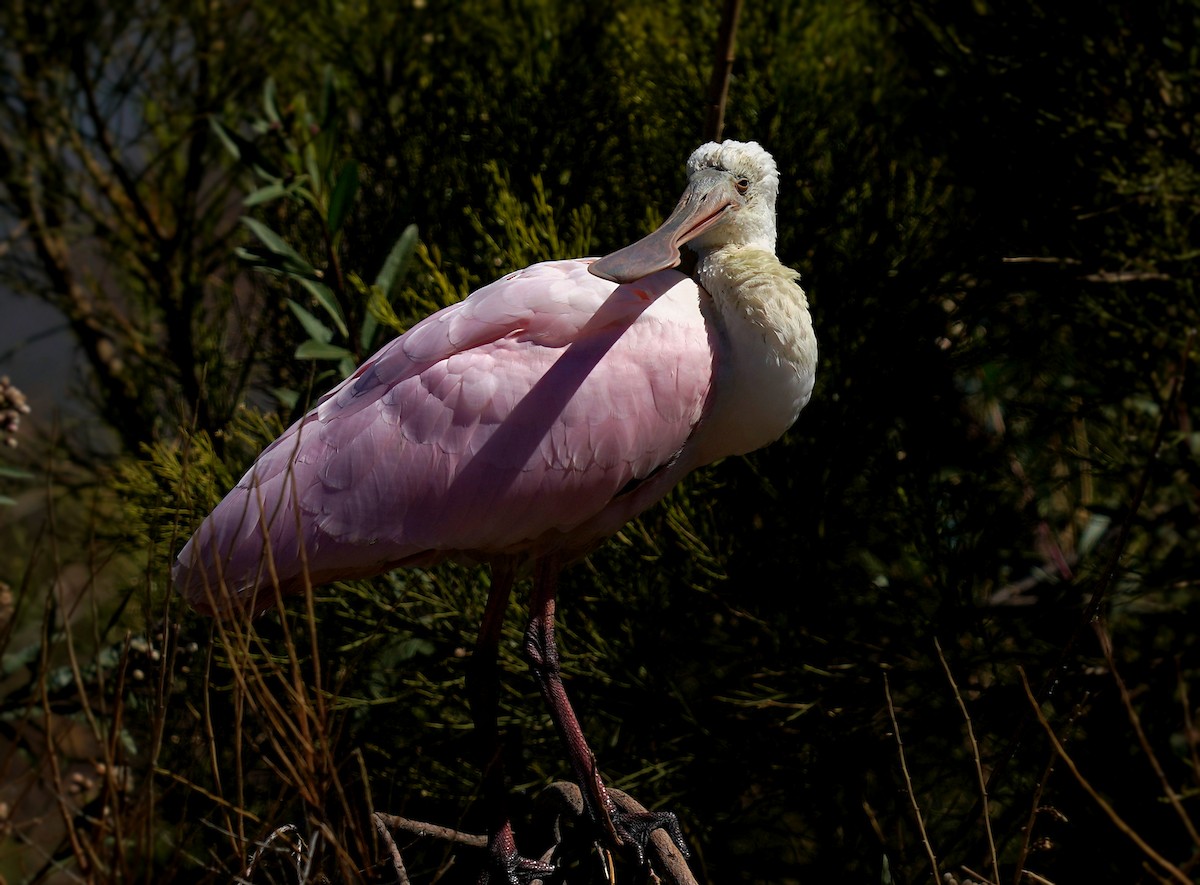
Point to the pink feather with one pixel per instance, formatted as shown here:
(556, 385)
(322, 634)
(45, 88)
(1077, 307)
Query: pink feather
(534, 417)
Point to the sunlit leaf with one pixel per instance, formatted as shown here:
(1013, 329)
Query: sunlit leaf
(288, 398)
(227, 138)
(316, 330)
(312, 165)
(266, 194)
(395, 266)
(324, 296)
(270, 108)
(272, 240)
(315, 350)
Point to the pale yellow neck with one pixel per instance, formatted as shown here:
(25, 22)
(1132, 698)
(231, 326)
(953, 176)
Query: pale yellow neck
(752, 286)
(769, 356)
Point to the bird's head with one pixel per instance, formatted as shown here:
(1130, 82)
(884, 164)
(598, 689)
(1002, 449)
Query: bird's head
(729, 200)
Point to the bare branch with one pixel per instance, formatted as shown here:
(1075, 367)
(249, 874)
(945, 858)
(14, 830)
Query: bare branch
(393, 850)
(1135, 721)
(433, 831)
(718, 85)
(1173, 871)
(983, 793)
(912, 796)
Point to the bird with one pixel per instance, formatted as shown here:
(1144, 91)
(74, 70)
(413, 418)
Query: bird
(521, 427)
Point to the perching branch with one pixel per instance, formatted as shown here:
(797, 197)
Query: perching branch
(664, 856)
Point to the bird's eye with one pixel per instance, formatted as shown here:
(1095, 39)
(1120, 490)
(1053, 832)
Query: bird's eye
(742, 185)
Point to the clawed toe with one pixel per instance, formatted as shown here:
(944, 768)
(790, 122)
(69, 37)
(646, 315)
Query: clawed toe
(511, 868)
(635, 828)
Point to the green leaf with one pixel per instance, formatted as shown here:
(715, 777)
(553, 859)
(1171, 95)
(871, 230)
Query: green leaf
(246, 151)
(272, 240)
(369, 326)
(312, 166)
(316, 329)
(379, 296)
(324, 296)
(315, 350)
(14, 473)
(227, 137)
(280, 257)
(263, 259)
(343, 196)
(265, 194)
(270, 107)
(395, 266)
(6, 501)
(287, 398)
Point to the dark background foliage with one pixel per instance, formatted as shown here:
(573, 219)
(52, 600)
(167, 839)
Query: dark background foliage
(994, 212)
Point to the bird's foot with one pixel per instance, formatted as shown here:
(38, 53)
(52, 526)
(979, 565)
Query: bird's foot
(634, 829)
(508, 867)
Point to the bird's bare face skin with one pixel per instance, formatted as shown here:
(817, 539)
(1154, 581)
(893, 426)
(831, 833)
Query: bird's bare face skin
(712, 196)
(729, 201)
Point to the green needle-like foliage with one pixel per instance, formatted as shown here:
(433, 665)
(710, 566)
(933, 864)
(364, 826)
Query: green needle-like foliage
(994, 210)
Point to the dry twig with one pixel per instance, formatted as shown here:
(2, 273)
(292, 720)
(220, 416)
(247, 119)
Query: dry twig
(908, 782)
(1134, 720)
(1169, 868)
(983, 794)
(386, 834)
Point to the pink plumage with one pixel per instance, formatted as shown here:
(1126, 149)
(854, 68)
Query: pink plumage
(518, 421)
(524, 425)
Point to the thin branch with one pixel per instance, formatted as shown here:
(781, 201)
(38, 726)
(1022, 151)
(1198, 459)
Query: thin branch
(1136, 721)
(908, 782)
(1038, 880)
(393, 850)
(434, 831)
(1112, 277)
(128, 187)
(1038, 259)
(668, 860)
(1125, 276)
(1189, 728)
(718, 85)
(1034, 806)
(56, 785)
(1173, 871)
(1110, 572)
(983, 794)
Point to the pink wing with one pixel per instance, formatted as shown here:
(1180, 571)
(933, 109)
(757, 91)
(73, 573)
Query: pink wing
(507, 423)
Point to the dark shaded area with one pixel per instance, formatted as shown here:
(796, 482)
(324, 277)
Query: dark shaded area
(994, 211)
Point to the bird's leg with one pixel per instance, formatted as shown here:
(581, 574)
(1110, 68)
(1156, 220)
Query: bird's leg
(483, 690)
(620, 829)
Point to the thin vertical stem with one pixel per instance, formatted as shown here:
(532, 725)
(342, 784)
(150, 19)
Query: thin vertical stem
(718, 84)
(983, 795)
(912, 796)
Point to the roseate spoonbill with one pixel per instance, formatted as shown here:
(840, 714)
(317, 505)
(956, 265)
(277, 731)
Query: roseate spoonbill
(525, 424)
